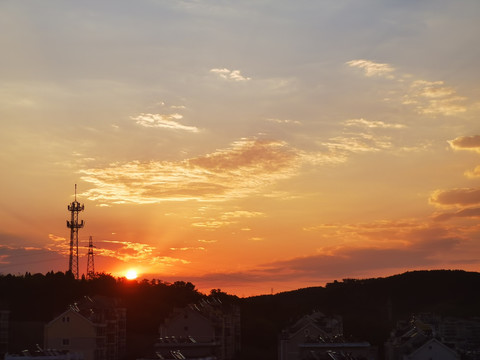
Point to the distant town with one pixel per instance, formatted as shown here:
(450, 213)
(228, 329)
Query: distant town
(420, 315)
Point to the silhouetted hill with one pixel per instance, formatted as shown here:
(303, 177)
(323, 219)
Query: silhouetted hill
(369, 307)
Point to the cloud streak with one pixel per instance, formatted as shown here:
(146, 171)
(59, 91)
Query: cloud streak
(370, 124)
(225, 219)
(434, 98)
(246, 167)
(463, 213)
(427, 97)
(233, 75)
(133, 252)
(372, 68)
(357, 143)
(169, 121)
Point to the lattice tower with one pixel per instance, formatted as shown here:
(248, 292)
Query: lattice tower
(75, 207)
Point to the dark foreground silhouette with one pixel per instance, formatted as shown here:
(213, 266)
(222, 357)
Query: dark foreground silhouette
(369, 307)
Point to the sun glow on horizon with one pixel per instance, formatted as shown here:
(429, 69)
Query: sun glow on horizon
(131, 274)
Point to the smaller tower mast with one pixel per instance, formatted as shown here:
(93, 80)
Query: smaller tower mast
(90, 261)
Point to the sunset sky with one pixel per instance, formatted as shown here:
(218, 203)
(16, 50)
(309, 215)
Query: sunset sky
(254, 146)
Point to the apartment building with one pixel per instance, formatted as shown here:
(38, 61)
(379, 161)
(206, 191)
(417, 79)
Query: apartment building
(95, 327)
(208, 328)
(316, 336)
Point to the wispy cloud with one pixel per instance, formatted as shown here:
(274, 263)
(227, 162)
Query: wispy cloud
(427, 97)
(358, 143)
(56, 238)
(246, 167)
(372, 124)
(225, 219)
(371, 68)
(256, 238)
(207, 241)
(466, 200)
(434, 98)
(128, 252)
(241, 214)
(473, 173)
(361, 136)
(58, 244)
(210, 224)
(169, 121)
(14, 258)
(463, 213)
(187, 248)
(380, 233)
(233, 75)
(283, 121)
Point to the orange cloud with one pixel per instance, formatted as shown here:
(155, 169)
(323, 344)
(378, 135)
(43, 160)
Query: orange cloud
(456, 197)
(56, 238)
(245, 167)
(18, 258)
(473, 173)
(346, 262)
(384, 233)
(128, 252)
(466, 143)
(464, 213)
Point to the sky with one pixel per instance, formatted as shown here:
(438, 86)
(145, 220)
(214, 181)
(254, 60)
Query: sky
(250, 146)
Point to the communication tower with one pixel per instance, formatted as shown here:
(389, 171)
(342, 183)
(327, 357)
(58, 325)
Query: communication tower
(90, 262)
(75, 207)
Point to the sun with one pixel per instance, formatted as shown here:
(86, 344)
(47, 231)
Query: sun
(131, 274)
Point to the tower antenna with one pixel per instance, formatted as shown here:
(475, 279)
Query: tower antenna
(90, 261)
(75, 207)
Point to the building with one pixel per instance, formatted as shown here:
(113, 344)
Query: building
(432, 349)
(427, 336)
(4, 329)
(207, 329)
(317, 336)
(95, 327)
(186, 348)
(41, 354)
(406, 338)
